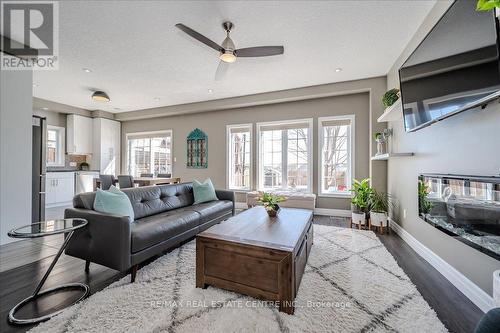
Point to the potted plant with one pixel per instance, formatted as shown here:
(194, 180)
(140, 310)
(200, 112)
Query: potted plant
(390, 97)
(270, 202)
(360, 200)
(84, 166)
(380, 202)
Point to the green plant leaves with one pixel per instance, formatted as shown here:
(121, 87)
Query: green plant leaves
(270, 200)
(361, 194)
(485, 5)
(390, 97)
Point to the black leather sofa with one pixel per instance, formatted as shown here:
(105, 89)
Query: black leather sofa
(164, 218)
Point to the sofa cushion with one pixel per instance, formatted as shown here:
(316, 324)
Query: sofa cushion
(211, 210)
(155, 229)
(151, 200)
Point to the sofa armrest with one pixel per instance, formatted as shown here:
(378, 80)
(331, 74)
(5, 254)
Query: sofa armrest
(226, 195)
(105, 240)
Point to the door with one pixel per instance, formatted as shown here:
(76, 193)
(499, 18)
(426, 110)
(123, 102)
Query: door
(50, 191)
(65, 189)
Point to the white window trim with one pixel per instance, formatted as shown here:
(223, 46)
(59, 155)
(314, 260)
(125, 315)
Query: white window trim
(228, 146)
(131, 134)
(351, 148)
(310, 160)
(61, 145)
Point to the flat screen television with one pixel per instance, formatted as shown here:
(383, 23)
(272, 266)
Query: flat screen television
(456, 67)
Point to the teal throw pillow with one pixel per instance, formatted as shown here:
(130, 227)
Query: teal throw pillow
(114, 202)
(203, 192)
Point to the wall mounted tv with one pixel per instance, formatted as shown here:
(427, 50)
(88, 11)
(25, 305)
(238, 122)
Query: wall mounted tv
(455, 68)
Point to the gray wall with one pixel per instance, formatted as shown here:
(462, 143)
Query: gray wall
(467, 143)
(53, 118)
(214, 124)
(15, 150)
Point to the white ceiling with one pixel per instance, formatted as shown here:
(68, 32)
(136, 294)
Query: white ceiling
(137, 55)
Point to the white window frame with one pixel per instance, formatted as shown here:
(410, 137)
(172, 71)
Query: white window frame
(61, 145)
(310, 161)
(159, 133)
(351, 148)
(228, 155)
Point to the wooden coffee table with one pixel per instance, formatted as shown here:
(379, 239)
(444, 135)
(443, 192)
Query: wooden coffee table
(256, 255)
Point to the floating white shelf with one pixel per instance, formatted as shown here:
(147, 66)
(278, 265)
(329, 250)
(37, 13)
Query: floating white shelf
(392, 113)
(385, 157)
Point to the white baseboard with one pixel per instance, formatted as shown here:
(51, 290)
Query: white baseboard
(332, 212)
(460, 281)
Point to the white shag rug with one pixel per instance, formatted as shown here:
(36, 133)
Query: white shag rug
(351, 284)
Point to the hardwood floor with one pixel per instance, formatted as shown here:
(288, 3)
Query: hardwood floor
(25, 264)
(455, 310)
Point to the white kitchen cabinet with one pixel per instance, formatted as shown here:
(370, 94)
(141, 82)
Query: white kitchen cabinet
(59, 188)
(79, 134)
(106, 147)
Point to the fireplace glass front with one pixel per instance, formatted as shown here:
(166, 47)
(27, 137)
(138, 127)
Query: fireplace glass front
(464, 207)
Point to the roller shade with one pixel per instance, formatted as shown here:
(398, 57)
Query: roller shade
(284, 126)
(148, 135)
(239, 130)
(337, 122)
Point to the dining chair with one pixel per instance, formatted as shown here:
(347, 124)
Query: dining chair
(146, 175)
(107, 181)
(164, 175)
(125, 181)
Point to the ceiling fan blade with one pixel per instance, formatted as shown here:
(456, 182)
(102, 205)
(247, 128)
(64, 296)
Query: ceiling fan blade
(200, 37)
(221, 70)
(259, 51)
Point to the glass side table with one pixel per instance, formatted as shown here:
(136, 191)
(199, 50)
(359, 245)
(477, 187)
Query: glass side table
(41, 229)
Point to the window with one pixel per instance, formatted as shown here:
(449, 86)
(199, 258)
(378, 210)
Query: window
(149, 153)
(239, 157)
(55, 146)
(336, 144)
(285, 155)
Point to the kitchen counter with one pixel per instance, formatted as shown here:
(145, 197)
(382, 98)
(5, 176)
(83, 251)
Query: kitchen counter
(69, 170)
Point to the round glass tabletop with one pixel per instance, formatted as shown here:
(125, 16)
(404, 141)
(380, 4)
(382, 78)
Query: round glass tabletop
(45, 228)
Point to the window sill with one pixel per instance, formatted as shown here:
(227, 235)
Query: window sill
(335, 195)
(238, 190)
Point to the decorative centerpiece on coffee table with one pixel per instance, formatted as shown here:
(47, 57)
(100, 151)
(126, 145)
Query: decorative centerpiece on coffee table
(270, 202)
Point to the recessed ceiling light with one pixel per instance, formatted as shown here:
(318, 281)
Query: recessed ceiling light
(45, 109)
(210, 91)
(100, 96)
(87, 70)
(157, 99)
(338, 69)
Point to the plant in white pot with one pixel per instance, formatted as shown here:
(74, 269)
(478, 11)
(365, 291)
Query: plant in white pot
(360, 201)
(380, 202)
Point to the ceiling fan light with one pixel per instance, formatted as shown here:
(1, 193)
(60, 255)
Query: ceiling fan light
(100, 96)
(227, 56)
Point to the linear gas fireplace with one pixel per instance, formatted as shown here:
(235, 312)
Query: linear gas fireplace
(464, 207)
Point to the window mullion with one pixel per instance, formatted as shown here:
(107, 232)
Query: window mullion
(151, 157)
(284, 158)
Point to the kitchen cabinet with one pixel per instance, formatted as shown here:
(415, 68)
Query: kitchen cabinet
(79, 134)
(106, 147)
(59, 188)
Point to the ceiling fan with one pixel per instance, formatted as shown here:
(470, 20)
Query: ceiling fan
(228, 53)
